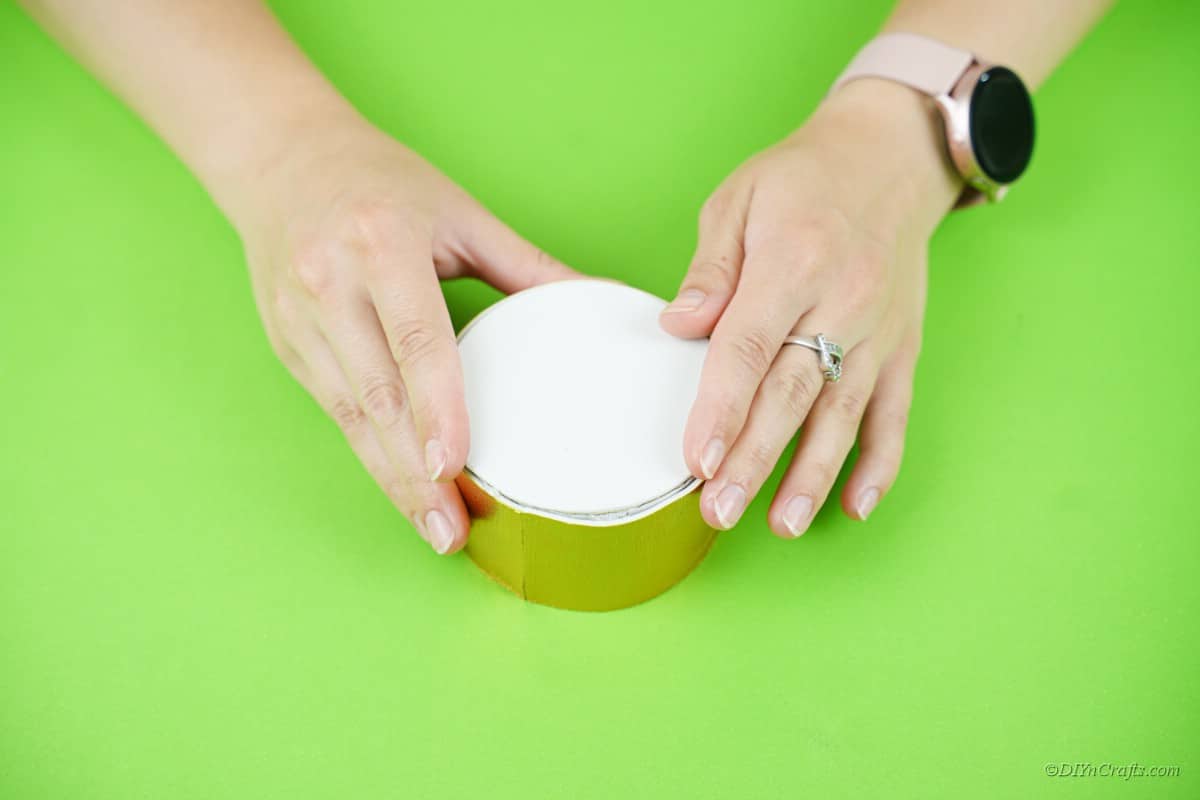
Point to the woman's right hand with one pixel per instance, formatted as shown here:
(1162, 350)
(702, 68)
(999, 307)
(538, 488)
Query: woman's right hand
(347, 234)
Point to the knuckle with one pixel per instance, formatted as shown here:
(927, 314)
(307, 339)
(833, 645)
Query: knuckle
(383, 399)
(896, 423)
(796, 389)
(368, 228)
(370, 220)
(398, 494)
(425, 411)
(725, 406)
(399, 490)
(827, 220)
(283, 308)
(715, 269)
(359, 231)
(755, 350)
(373, 225)
(814, 241)
(313, 270)
(794, 261)
(762, 456)
(861, 300)
(347, 413)
(823, 472)
(412, 342)
(850, 405)
(817, 237)
(872, 262)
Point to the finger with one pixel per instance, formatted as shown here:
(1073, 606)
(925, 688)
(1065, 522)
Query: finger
(783, 401)
(436, 510)
(829, 433)
(352, 331)
(881, 440)
(504, 259)
(745, 343)
(712, 276)
(412, 312)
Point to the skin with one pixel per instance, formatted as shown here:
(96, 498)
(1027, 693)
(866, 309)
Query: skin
(828, 232)
(348, 232)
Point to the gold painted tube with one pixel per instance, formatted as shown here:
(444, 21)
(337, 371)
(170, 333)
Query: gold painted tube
(585, 567)
(576, 481)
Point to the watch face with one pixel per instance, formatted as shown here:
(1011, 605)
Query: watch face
(1001, 124)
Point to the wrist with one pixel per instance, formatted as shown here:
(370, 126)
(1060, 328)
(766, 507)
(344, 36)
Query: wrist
(243, 164)
(896, 136)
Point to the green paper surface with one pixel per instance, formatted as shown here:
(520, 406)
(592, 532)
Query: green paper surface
(203, 595)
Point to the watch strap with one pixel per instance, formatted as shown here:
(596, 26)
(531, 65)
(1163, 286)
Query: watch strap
(925, 64)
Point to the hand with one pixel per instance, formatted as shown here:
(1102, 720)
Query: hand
(825, 232)
(347, 234)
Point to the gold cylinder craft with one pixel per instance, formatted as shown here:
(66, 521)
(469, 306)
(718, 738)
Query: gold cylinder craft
(576, 484)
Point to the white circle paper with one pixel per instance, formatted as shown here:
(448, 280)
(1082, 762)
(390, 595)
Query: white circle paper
(578, 400)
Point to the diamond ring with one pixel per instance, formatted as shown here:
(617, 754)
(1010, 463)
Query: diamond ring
(830, 354)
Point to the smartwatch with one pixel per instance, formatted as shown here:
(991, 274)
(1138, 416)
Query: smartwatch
(986, 108)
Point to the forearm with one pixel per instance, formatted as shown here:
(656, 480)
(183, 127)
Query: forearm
(1031, 36)
(219, 80)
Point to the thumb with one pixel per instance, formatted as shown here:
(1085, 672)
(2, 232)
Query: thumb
(505, 260)
(713, 274)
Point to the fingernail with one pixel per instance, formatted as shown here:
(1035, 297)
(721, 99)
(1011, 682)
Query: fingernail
(440, 534)
(730, 504)
(435, 458)
(867, 502)
(711, 458)
(796, 514)
(688, 300)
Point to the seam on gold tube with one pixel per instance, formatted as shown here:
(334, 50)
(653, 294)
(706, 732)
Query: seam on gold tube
(592, 518)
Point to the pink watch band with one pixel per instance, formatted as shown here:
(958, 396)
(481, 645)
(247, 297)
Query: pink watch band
(927, 65)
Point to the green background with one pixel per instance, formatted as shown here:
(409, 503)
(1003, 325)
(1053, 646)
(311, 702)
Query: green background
(202, 595)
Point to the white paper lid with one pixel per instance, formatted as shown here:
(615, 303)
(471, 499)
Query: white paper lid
(578, 400)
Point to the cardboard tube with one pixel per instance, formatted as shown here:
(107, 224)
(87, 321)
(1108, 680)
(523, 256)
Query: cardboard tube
(585, 568)
(576, 483)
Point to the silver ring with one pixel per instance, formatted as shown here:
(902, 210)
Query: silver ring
(830, 353)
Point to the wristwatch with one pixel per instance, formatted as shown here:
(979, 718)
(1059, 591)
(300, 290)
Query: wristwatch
(986, 108)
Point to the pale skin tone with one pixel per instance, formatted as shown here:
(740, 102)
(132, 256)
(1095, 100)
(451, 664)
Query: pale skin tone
(347, 234)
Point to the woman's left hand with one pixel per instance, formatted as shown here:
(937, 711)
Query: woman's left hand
(825, 232)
